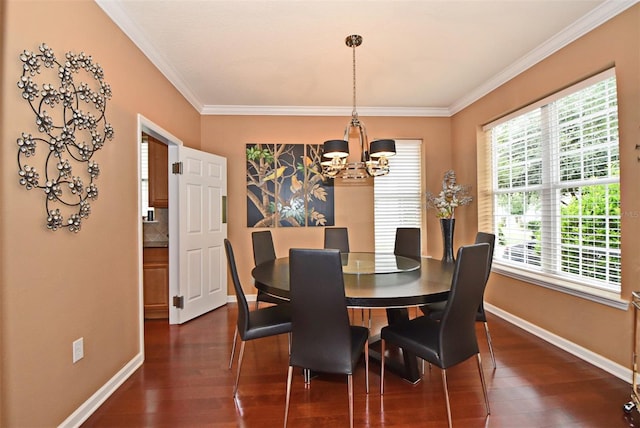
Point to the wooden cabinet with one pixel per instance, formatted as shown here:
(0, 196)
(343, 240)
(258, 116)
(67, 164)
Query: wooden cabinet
(155, 266)
(158, 174)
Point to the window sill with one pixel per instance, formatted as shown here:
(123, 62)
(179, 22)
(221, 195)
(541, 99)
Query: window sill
(608, 298)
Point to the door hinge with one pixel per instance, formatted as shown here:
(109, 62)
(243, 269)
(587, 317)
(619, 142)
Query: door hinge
(178, 302)
(176, 168)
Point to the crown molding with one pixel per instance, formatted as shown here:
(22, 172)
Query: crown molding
(579, 28)
(122, 20)
(323, 111)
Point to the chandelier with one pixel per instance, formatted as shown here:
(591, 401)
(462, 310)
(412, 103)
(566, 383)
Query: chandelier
(373, 158)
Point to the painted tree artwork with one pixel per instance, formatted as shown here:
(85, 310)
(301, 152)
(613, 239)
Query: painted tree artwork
(285, 187)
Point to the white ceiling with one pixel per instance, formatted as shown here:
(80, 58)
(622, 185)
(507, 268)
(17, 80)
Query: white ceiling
(418, 58)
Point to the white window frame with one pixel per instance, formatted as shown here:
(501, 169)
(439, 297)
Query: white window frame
(398, 195)
(548, 273)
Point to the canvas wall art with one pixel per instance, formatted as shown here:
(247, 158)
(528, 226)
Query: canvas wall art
(285, 187)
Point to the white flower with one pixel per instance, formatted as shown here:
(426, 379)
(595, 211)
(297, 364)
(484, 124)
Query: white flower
(450, 197)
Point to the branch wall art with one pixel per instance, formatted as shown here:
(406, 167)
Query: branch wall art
(285, 187)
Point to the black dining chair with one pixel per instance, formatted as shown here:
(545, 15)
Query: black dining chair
(452, 339)
(336, 237)
(265, 322)
(407, 243)
(436, 309)
(263, 251)
(322, 340)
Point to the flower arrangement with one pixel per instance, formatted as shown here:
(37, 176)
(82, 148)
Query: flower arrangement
(451, 196)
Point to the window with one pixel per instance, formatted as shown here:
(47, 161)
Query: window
(397, 196)
(144, 176)
(552, 188)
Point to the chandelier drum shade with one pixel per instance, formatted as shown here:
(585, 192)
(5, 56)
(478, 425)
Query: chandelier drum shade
(373, 157)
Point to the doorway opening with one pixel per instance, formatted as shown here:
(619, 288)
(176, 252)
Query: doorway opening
(156, 262)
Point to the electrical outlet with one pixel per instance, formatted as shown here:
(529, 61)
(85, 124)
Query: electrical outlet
(78, 350)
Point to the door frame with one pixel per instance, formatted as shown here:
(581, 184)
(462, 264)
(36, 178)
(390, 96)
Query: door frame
(148, 127)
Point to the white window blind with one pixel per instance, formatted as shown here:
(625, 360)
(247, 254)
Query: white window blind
(553, 195)
(398, 195)
(144, 176)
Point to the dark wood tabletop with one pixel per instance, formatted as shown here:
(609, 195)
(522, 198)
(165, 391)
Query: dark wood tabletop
(379, 286)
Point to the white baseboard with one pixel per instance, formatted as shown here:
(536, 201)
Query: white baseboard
(231, 298)
(591, 357)
(83, 412)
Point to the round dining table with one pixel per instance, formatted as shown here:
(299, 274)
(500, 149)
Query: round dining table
(375, 280)
(372, 280)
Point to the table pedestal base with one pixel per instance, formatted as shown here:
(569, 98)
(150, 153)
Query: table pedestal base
(404, 364)
(396, 361)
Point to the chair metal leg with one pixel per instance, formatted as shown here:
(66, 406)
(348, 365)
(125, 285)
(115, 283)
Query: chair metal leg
(350, 386)
(486, 330)
(446, 396)
(484, 385)
(235, 388)
(233, 347)
(286, 406)
(382, 367)
(366, 363)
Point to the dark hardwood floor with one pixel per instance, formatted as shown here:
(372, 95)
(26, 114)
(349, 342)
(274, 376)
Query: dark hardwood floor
(185, 382)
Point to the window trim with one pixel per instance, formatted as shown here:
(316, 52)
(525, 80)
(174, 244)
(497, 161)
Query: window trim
(549, 280)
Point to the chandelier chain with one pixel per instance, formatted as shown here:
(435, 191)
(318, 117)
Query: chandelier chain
(354, 113)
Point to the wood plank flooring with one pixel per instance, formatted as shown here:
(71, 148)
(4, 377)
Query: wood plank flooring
(185, 382)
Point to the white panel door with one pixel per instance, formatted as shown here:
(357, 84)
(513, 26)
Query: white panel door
(202, 228)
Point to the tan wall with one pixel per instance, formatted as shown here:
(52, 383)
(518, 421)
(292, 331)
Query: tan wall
(599, 328)
(59, 286)
(228, 135)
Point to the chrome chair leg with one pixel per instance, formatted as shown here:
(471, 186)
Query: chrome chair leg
(484, 385)
(235, 388)
(382, 367)
(446, 396)
(366, 363)
(233, 347)
(286, 406)
(493, 358)
(350, 386)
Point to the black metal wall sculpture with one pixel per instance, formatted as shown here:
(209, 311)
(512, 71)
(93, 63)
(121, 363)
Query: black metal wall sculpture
(73, 129)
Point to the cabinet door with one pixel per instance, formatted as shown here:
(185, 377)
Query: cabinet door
(156, 283)
(158, 174)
